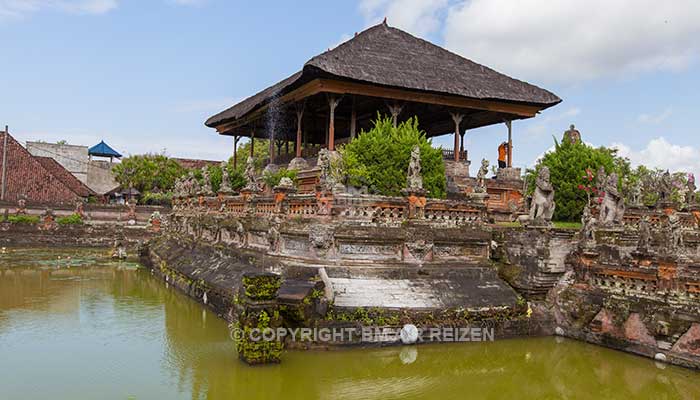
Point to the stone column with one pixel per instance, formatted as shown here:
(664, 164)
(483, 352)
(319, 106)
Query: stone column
(258, 311)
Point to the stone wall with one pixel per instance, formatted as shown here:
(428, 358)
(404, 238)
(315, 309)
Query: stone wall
(644, 301)
(71, 157)
(21, 235)
(100, 177)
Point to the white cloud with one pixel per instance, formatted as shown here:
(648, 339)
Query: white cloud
(573, 40)
(660, 153)
(419, 17)
(552, 123)
(20, 8)
(655, 118)
(555, 40)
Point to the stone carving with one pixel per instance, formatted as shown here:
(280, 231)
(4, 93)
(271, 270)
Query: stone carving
(600, 179)
(131, 214)
(674, 232)
(321, 236)
(250, 178)
(298, 164)
(415, 179)
(588, 223)
(543, 204)
(644, 243)
(273, 238)
(79, 209)
(326, 180)
(48, 220)
(225, 180)
(480, 186)
(21, 207)
(194, 186)
(285, 184)
(636, 194)
(665, 187)
(206, 189)
(690, 186)
(154, 221)
(572, 135)
(612, 209)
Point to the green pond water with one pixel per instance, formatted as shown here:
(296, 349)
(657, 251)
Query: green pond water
(75, 325)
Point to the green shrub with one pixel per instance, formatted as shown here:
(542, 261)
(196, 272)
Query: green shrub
(567, 166)
(147, 172)
(156, 199)
(74, 219)
(23, 219)
(273, 179)
(379, 159)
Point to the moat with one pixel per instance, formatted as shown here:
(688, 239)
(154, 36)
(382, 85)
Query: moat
(75, 324)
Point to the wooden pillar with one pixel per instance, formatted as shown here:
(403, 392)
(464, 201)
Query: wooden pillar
(332, 104)
(457, 118)
(4, 163)
(461, 141)
(235, 150)
(509, 124)
(353, 120)
(300, 116)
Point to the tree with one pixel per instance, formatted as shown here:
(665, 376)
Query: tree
(567, 165)
(261, 152)
(147, 172)
(379, 158)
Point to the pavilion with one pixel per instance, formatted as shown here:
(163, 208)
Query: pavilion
(102, 149)
(382, 69)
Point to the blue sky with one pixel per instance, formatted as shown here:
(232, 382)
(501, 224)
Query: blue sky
(144, 74)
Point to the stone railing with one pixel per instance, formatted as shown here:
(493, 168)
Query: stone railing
(366, 210)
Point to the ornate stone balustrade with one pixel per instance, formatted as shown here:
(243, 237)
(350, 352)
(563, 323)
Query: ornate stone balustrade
(366, 210)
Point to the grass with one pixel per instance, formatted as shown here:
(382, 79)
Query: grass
(23, 219)
(567, 225)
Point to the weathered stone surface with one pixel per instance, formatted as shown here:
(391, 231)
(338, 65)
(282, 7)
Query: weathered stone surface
(689, 343)
(636, 331)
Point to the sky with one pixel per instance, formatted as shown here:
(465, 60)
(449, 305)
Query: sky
(145, 74)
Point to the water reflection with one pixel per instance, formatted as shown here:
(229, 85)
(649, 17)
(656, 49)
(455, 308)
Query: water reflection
(97, 329)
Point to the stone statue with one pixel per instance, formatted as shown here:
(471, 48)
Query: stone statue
(79, 209)
(326, 179)
(194, 185)
(572, 135)
(542, 207)
(690, 186)
(285, 184)
(665, 187)
(644, 243)
(480, 186)
(415, 179)
(588, 223)
(249, 173)
(675, 233)
(636, 194)
(612, 209)
(600, 179)
(21, 207)
(225, 187)
(206, 186)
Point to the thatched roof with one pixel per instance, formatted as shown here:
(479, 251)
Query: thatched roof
(390, 57)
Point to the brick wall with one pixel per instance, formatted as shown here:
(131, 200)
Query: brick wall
(25, 176)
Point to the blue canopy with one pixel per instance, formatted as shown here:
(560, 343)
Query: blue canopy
(102, 149)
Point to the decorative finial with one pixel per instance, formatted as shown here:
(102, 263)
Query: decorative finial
(384, 22)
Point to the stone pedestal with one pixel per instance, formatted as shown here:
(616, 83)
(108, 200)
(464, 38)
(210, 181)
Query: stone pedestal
(510, 174)
(259, 313)
(416, 202)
